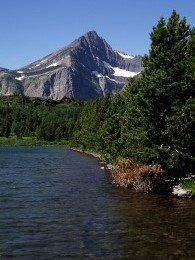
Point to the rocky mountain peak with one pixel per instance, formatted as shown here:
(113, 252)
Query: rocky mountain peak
(91, 36)
(93, 43)
(86, 68)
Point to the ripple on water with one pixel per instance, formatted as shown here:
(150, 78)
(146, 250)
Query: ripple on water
(58, 204)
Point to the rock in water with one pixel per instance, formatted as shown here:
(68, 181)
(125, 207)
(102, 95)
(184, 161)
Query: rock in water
(182, 193)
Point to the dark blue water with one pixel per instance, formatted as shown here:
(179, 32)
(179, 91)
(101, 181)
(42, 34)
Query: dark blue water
(56, 203)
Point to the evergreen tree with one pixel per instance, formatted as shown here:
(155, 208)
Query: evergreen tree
(109, 138)
(165, 89)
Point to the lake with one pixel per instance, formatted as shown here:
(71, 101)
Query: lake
(56, 203)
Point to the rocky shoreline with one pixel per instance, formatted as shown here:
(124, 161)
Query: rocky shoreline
(122, 178)
(96, 155)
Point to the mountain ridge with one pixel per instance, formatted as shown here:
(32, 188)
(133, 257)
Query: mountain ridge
(84, 69)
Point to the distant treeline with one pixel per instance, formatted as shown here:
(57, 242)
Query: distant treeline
(43, 119)
(151, 121)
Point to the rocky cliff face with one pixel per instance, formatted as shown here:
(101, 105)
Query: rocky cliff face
(86, 68)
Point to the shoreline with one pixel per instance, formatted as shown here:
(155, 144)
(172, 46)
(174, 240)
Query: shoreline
(96, 155)
(28, 141)
(177, 190)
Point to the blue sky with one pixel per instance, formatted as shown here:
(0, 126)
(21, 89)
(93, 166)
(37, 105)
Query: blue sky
(33, 29)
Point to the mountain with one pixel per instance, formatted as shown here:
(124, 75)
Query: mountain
(86, 68)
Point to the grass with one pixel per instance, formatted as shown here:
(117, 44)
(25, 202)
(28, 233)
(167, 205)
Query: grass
(27, 141)
(188, 184)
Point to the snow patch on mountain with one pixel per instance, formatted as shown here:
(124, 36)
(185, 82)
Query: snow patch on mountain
(39, 64)
(19, 78)
(124, 73)
(35, 66)
(120, 72)
(106, 64)
(98, 75)
(110, 78)
(42, 61)
(52, 65)
(125, 56)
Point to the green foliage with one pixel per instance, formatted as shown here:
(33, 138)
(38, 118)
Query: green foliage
(109, 137)
(188, 184)
(162, 100)
(87, 128)
(43, 119)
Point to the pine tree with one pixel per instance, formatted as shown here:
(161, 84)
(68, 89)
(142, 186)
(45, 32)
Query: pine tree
(165, 88)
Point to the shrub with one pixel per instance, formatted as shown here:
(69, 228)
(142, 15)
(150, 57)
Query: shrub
(140, 177)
